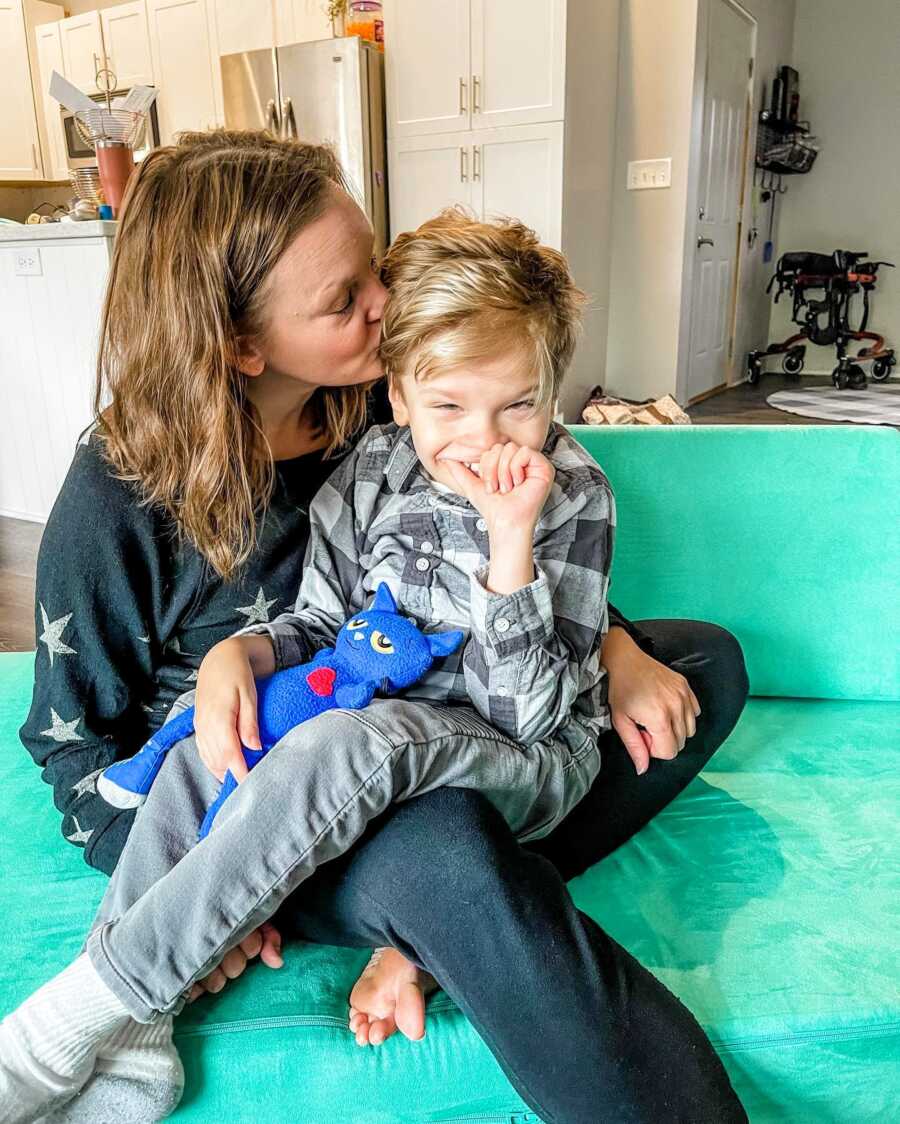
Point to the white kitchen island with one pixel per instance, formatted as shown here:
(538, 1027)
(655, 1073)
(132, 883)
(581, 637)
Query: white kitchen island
(52, 283)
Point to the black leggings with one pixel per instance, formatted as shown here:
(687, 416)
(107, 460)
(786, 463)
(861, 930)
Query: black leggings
(584, 1033)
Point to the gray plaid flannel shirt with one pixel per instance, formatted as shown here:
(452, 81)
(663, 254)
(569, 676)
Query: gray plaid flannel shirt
(530, 664)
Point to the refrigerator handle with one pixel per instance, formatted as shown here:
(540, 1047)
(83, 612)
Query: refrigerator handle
(272, 122)
(288, 121)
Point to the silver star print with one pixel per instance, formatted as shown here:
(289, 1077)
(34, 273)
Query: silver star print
(86, 784)
(51, 636)
(174, 645)
(258, 612)
(79, 836)
(192, 678)
(144, 639)
(62, 731)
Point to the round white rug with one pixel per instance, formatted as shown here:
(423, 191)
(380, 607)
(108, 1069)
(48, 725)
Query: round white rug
(870, 406)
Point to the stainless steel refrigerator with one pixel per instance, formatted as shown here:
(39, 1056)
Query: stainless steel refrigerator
(329, 90)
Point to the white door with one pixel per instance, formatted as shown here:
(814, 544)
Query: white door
(182, 66)
(428, 75)
(20, 155)
(517, 173)
(50, 58)
(126, 44)
(82, 46)
(518, 61)
(427, 174)
(723, 160)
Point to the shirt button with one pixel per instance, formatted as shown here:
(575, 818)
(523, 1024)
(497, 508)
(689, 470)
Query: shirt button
(502, 692)
(427, 547)
(422, 564)
(501, 624)
(481, 525)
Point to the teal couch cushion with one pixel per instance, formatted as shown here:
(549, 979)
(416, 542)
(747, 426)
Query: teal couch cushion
(789, 536)
(765, 896)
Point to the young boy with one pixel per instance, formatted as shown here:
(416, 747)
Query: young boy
(480, 514)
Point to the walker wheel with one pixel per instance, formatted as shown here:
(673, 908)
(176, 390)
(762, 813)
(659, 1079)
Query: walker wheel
(792, 363)
(857, 377)
(839, 378)
(881, 369)
(754, 370)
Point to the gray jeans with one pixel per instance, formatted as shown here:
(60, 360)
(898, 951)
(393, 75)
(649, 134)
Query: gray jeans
(174, 907)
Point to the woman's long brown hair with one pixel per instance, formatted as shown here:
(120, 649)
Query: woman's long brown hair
(203, 223)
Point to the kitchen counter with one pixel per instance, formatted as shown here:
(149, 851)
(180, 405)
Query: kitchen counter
(49, 231)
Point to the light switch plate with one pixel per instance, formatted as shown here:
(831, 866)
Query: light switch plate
(643, 174)
(27, 263)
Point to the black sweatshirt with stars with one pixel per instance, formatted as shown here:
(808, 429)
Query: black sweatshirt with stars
(124, 614)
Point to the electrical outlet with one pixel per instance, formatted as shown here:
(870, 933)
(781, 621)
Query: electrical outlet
(643, 174)
(27, 263)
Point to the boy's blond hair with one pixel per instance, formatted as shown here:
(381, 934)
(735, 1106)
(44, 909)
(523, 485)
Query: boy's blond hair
(463, 290)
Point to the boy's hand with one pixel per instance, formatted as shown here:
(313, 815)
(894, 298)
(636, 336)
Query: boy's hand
(510, 488)
(225, 704)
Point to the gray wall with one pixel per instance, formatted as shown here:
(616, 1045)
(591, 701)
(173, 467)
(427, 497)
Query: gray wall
(661, 60)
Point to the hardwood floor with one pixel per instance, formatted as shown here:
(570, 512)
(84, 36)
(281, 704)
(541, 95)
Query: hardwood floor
(738, 405)
(19, 543)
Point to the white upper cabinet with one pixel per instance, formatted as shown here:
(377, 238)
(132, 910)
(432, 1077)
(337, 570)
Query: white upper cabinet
(518, 62)
(427, 65)
(300, 21)
(50, 58)
(20, 154)
(126, 44)
(182, 66)
(479, 64)
(82, 48)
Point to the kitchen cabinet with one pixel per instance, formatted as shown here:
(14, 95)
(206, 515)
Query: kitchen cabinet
(476, 64)
(300, 21)
(494, 172)
(23, 137)
(126, 44)
(426, 174)
(518, 61)
(48, 354)
(82, 48)
(183, 62)
(115, 39)
(508, 107)
(50, 58)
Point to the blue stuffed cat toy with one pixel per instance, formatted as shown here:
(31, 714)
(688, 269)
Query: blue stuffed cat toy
(378, 650)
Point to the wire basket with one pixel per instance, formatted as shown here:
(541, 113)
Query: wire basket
(86, 182)
(104, 126)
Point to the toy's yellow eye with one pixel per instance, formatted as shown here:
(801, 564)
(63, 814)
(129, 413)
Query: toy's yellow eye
(358, 622)
(381, 643)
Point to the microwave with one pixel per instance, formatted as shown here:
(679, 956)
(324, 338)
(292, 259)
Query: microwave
(79, 153)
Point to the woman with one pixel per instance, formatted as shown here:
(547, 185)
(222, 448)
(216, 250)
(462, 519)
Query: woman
(240, 336)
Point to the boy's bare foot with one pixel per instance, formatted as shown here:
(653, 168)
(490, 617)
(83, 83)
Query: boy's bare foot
(389, 996)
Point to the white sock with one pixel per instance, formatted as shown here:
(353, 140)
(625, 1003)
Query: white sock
(138, 1078)
(48, 1045)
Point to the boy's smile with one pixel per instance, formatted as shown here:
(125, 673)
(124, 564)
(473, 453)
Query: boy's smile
(460, 413)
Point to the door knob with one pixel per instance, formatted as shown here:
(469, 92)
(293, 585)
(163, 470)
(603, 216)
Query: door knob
(701, 241)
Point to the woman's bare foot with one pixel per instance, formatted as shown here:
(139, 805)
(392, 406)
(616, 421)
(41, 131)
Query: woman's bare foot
(389, 996)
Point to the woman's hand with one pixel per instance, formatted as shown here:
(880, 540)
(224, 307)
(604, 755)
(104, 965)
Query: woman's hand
(646, 693)
(264, 942)
(225, 704)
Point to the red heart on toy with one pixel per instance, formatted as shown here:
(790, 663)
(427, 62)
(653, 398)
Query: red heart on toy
(322, 680)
